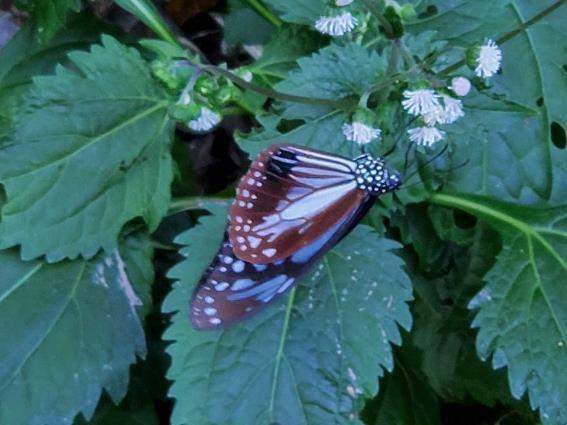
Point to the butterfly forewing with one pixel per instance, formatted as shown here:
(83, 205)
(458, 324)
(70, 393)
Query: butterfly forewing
(287, 199)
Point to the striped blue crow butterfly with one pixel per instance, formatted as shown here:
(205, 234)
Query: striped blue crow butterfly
(291, 207)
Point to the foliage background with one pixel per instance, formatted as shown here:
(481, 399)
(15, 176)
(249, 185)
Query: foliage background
(448, 305)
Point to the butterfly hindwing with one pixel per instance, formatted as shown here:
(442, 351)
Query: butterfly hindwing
(288, 198)
(232, 289)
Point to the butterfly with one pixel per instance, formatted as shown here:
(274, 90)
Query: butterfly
(291, 207)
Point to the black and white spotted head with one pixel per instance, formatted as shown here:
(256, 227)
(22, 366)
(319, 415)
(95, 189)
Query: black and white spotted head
(374, 176)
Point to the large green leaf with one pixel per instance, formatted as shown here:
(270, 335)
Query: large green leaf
(308, 359)
(69, 330)
(522, 319)
(89, 151)
(533, 77)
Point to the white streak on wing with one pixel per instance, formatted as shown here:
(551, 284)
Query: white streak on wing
(319, 200)
(315, 182)
(320, 172)
(330, 161)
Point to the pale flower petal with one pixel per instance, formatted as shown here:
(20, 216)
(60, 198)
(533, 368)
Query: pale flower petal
(420, 102)
(360, 133)
(488, 60)
(206, 121)
(336, 25)
(425, 136)
(452, 110)
(461, 86)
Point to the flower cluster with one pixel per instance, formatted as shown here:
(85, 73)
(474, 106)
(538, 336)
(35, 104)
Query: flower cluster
(433, 109)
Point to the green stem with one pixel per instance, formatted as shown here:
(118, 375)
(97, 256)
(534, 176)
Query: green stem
(193, 203)
(392, 66)
(265, 13)
(381, 18)
(511, 34)
(273, 93)
(149, 15)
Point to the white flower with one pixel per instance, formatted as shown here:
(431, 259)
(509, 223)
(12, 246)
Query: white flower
(243, 73)
(336, 25)
(425, 136)
(360, 133)
(206, 120)
(184, 99)
(461, 86)
(488, 60)
(420, 102)
(452, 111)
(449, 112)
(341, 3)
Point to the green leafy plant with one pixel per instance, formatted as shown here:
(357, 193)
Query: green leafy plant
(450, 296)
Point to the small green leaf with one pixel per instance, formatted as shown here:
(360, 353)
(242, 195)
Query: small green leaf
(49, 16)
(137, 252)
(522, 316)
(24, 56)
(242, 25)
(73, 331)
(299, 11)
(405, 397)
(323, 132)
(284, 49)
(89, 151)
(307, 359)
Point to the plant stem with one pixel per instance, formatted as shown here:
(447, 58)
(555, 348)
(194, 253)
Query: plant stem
(273, 93)
(193, 203)
(511, 34)
(265, 13)
(149, 15)
(381, 18)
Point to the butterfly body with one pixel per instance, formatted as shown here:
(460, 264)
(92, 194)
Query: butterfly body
(292, 206)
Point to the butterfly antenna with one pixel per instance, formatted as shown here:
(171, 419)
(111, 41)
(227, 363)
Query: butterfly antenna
(447, 170)
(429, 161)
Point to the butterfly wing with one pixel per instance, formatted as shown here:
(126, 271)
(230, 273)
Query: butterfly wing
(232, 289)
(288, 198)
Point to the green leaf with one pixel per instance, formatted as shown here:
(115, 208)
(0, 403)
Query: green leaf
(463, 22)
(49, 16)
(109, 414)
(442, 326)
(137, 252)
(284, 49)
(242, 25)
(89, 152)
(24, 56)
(522, 316)
(73, 331)
(405, 397)
(299, 11)
(335, 72)
(322, 132)
(533, 77)
(309, 357)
